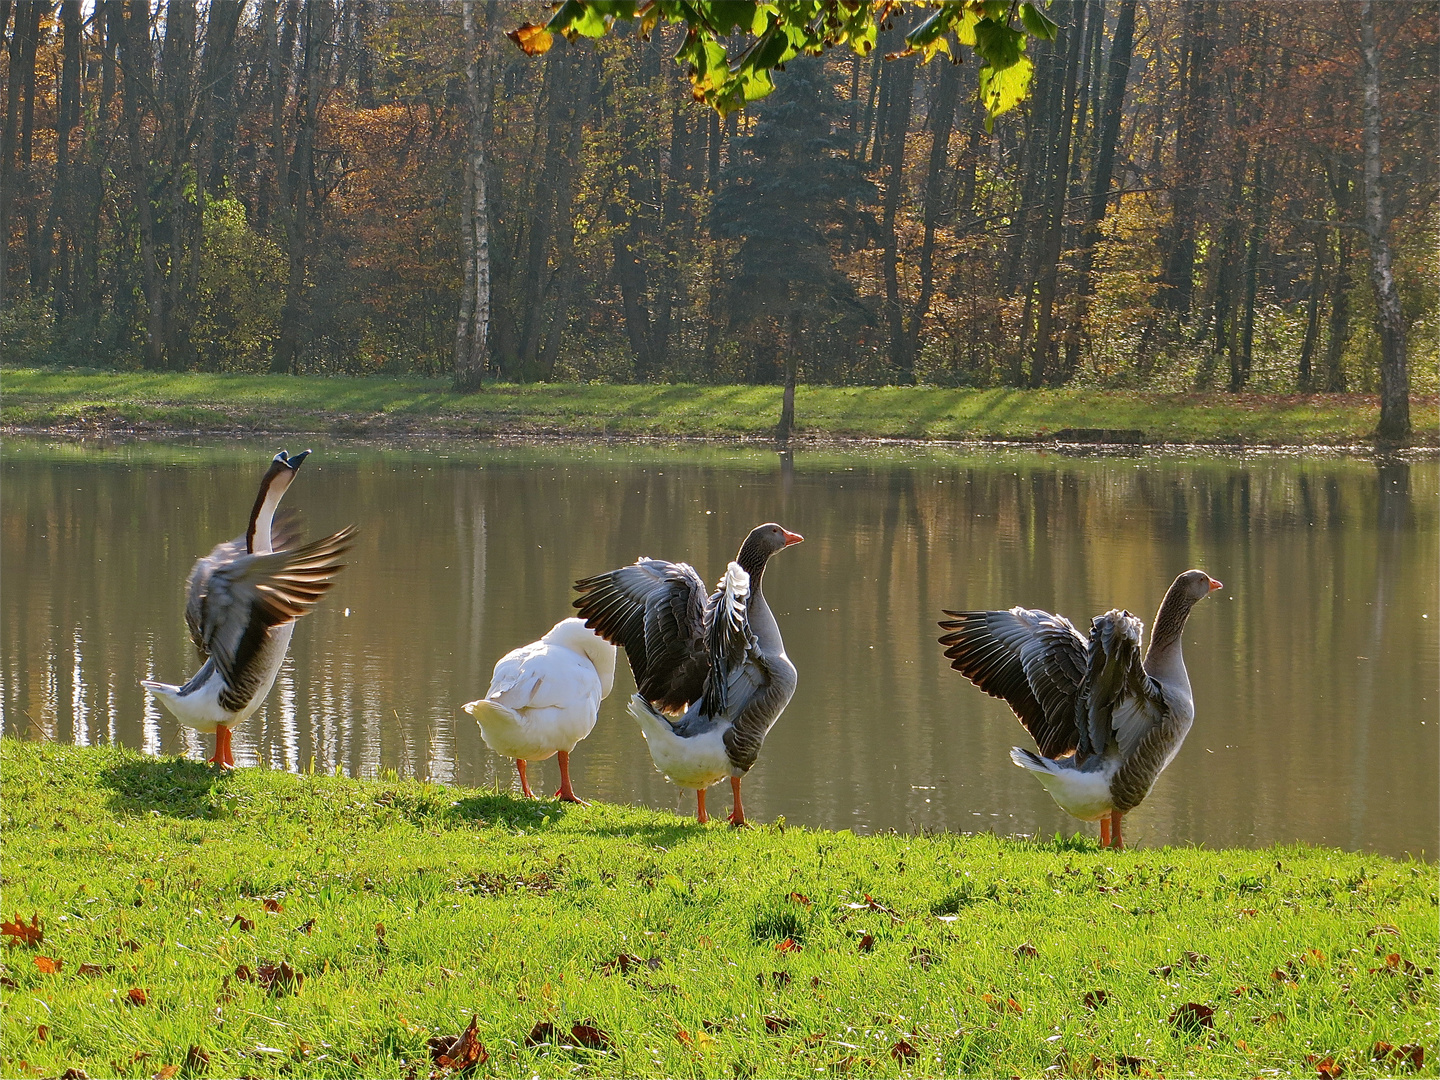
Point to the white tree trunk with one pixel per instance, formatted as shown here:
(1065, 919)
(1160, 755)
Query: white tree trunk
(472, 331)
(1394, 373)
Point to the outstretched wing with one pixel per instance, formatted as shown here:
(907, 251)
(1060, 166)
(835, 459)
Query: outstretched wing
(1032, 660)
(1119, 698)
(728, 637)
(284, 535)
(656, 610)
(235, 598)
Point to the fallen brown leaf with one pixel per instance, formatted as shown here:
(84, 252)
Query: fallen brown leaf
(20, 934)
(903, 1051)
(460, 1053)
(196, 1059)
(1326, 1067)
(788, 945)
(777, 1025)
(307, 927)
(244, 974)
(1193, 1015)
(167, 1072)
(1095, 998)
(1414, 1053)
(48, 965)
(95, 969)
(1133, 1064)
(42, 1032)
(1381, 1050)
(799, 898)
(1027, 950)
(589, 1036)
(246, 925)
(272, 905)
(74, 1074)
(136, 996)
(867, 943)
(279, 979)
(542, 1032)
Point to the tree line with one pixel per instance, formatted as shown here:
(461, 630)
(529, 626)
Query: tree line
(1194, 195)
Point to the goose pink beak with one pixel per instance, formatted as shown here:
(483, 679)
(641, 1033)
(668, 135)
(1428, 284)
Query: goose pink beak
(1216, 584)
(791, 538)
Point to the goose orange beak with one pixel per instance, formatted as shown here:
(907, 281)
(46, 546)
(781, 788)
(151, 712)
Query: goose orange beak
(1216, 584)
(791, 538)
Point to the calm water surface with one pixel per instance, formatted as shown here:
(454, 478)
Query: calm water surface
(1315, 671)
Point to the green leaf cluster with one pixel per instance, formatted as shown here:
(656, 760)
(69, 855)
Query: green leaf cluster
(732, 47)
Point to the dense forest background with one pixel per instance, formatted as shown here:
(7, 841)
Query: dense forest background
(290, 186)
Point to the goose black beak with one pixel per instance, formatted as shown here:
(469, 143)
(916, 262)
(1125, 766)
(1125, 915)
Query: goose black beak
(289, 462)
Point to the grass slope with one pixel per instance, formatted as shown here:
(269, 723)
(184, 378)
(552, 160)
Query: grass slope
(201, 402)
(974, 957)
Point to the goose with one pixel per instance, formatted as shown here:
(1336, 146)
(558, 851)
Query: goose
(712, 674)
(544, 698)
(242, 601)
(1106, 722)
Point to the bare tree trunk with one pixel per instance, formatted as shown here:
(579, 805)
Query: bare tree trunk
(792, 365)
(1389, 317)
(1055, 212)
(136, 66)
(23, 40)
(1191, 138)
(942, 120)
(473, 328)
(897, 125)
(1305, 377)
(1339, 330)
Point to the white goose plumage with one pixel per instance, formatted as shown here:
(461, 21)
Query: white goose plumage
(544, 698)
(241, 606)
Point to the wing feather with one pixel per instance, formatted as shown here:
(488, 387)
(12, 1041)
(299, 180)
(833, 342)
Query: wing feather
(1119, 698)
(235, 598)
(1032, 660)
(656, 611)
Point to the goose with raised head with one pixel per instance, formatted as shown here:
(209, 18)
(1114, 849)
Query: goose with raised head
(1106, 721)
(242, 601)
(711, 672)
(544, 698)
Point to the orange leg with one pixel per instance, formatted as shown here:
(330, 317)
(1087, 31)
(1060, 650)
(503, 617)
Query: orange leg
(737, 815)
(222, 756)
(1105, 831)
(524, 780)
(566, 792)
(1117, 841)
(700, 814)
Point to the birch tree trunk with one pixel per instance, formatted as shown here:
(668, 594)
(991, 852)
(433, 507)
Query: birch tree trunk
(472, 330)
(1390, 319)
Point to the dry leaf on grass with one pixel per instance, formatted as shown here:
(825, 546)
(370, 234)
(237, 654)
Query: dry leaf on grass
(903, 1051)
(48, 965)
(1095, 998)
(1192, 1015)
(589, 1036)
(460, 1053)
(18, 933)
(136, 996)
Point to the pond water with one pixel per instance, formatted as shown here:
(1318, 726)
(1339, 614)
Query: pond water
(1315, 671)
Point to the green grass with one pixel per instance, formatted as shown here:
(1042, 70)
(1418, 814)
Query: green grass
(516, 913)
(49, 399)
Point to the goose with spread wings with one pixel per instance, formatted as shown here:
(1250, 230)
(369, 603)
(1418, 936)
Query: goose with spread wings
(711, 672)
(1106, 721)
(241, 606)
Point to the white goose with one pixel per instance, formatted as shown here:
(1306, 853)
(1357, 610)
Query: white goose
(1107, 723)
(544, 698)
(242, 602)
(717, 666)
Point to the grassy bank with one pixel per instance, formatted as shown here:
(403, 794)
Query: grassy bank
(318, 926)
(375, 406)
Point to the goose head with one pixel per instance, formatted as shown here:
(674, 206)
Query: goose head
(273, 485)
(1195, 585)
(574, 635)
(764, 541)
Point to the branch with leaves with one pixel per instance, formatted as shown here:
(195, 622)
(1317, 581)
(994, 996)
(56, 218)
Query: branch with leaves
(732, 47)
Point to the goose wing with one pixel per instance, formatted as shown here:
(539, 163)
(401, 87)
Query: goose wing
(731, 644)
(1118, 698)
(235, 597)
(656, 610)
(284, 535)
(1032, 660)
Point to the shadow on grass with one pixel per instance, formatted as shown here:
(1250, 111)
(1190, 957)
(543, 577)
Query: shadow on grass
(175, 787)
(493, 809)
